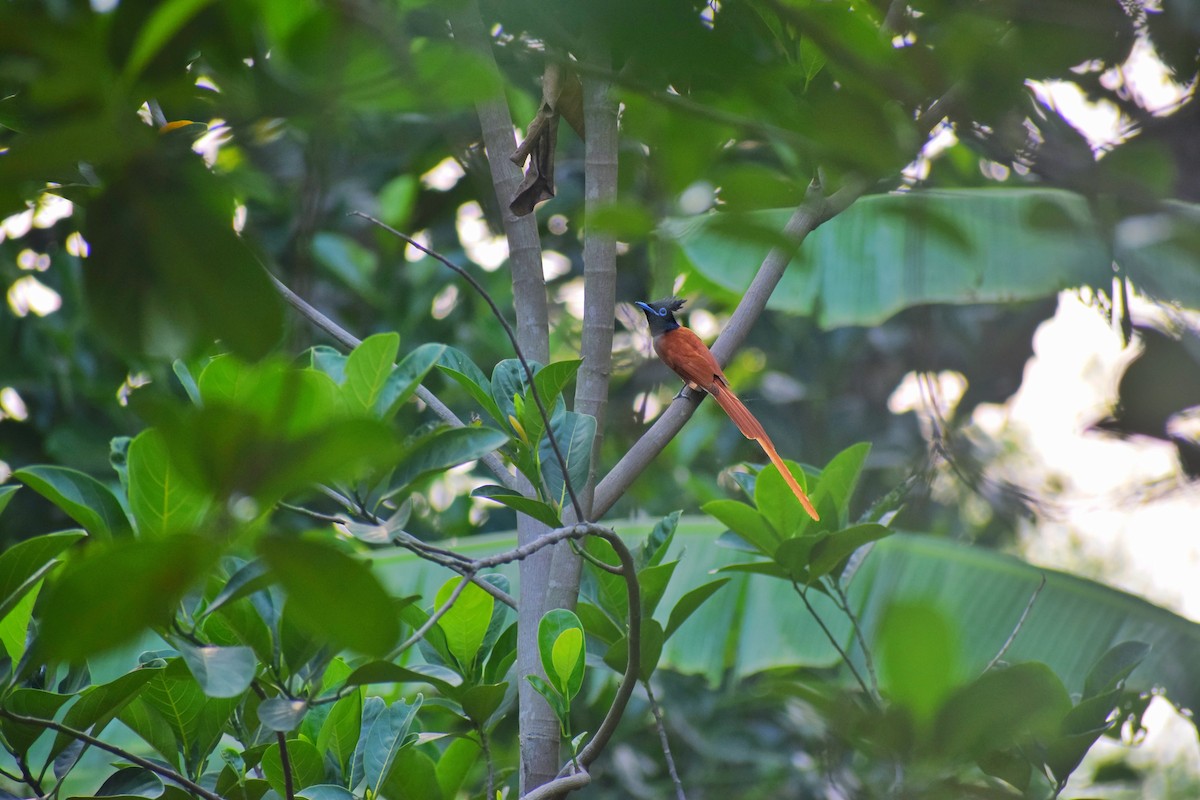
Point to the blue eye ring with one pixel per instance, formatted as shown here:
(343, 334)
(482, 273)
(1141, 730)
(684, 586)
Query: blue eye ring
(662, 312)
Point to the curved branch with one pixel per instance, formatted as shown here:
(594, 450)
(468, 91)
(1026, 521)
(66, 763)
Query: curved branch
(157, 769)
(807, 218)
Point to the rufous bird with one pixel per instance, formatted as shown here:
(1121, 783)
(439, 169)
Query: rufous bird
(683, 351)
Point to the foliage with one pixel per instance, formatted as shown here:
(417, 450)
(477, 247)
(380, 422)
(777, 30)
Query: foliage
(206, 501)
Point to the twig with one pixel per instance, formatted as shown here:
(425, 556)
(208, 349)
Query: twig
(664, 741)
(844, 604)
(157, 769)
(486, 746)
(833, 641)
(1020, 623)
(512, 337)
(350, 341)
(559, 787)
(437, 614)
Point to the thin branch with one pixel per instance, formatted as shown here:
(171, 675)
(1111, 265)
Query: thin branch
(1020, 624)
(285, 762)
(559, 787)
(833, 641)
(486, 746)
(664, 741)
(512, 337)
(157, 769)
(427, 626)
(350, 341)
(804, 221)
(843, 603)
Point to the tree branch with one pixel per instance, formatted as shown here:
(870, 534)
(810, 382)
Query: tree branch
(807, 218)
(664, 741)
(157, 769)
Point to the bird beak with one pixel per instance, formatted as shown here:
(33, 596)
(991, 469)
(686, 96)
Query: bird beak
(645, 307)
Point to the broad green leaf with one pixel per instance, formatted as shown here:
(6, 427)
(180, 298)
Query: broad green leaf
(888, 252)
(574, 434)
(307, 766)
(443, 448)
(98, 705)
(746, 522)
(326, 791)
(552, 697)
(691, 601)
(520, 503)
(654, 582)
(165, 22)
(195, 720)
(459, 367)
(918, 655)
(479, 702)
(794, 555)
(85, 614)
(347, 260)
(23, 564)
(251, 577)
(384, 734)
(406, 377)
(549, 381)
(281, 714)
(141, 718)
(466, 622)
(509, 381)
(443, 678)
(562, 660)
(324, 358)
(220, 671)
(161, 499)
(656, 544)
(456, 761)
(776, 501)
(6, 494)
(653, 638)
(413, 776)
(598, 625)
(836, 547)
(34, 703)
(82, 497)
(14, 625)
(131, 782)
(333, 594)
(838, 480)
(339, 731)
(1001, 708)
(368, 368)
(1114, 667)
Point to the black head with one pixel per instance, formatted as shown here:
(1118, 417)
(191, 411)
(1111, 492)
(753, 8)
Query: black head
(659, 314)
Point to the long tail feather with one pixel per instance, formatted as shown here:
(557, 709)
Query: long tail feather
(751, 428)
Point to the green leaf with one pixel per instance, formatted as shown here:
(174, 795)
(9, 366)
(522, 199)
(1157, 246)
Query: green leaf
(413, 776)
(574, 434)
(520, 503)
(562, 658)
(186, 380)
(326, 791)
(553, 698)
(368, 368)
(83, 613)
(195, 720)
(794, 555)
(918, 654)
(455, 763)
(406, 377)
(443, 678)
(385, 732)
(1000, 708)
(654, 582)
(166, 20)
(251, 577)
(326, 359)
(651, 644)
(691, 601)
(24, 564)
(598, 625)
(777, 502)
(6, 494)
(29, 703)
(1114, 667)
(455, 364)
(308, 768)
(82, 497)
(339, 732)
(444, 448)
(98, 705)
(846, 276)
(832, 550)
(281, 714)
(508, 382)
(479, 702)
(549, 381)
(746, 522)
(14, 625)
(141, 718)
(347, 260)
(466, 622)
(838, 479)
(656, 544)
(220, 671)
(334, 595)
(161, 499)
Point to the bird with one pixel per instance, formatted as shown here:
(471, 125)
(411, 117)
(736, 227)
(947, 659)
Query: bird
(684, 352)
